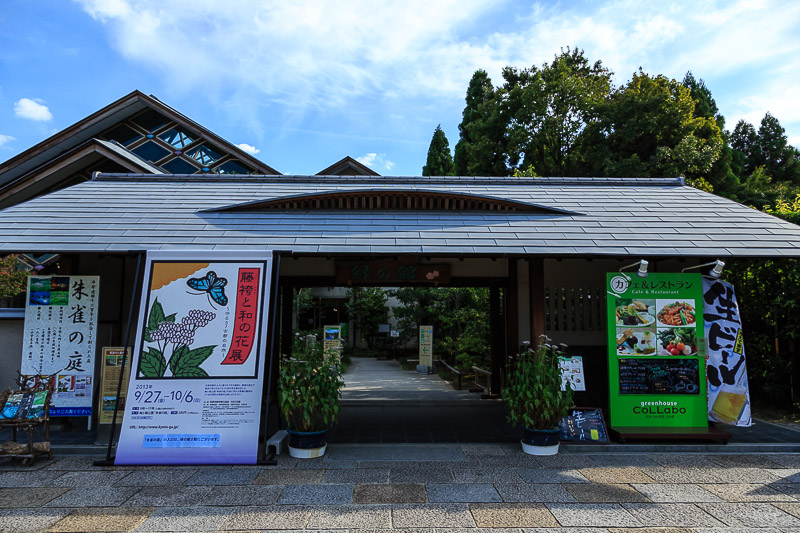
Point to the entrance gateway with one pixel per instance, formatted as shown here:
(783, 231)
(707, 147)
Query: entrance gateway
(545, 242)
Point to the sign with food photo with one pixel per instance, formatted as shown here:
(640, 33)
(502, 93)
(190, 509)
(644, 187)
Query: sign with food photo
(655, 348)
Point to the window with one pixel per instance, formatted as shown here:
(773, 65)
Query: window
(150, 120)
(204, 154)
(179, 165)
(123, 135)
(150, 151)
(177, 137)
(233, 167)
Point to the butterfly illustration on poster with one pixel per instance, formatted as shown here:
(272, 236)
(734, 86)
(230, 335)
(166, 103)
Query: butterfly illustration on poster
(212, 286)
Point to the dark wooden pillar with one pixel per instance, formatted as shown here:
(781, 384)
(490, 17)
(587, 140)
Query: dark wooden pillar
(287, 294)
(497, 338)
(536, 270)
(512, 308)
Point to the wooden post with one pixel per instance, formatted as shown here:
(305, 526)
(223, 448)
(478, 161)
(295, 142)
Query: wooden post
(286, 291)
(497, 338)
(536, 272)
(512, 308)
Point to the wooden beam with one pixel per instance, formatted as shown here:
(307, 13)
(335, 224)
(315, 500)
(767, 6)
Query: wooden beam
(512, 307)
(497, 344)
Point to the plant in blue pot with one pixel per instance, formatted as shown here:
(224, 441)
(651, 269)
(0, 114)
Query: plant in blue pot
(309, 392)
(534, 397)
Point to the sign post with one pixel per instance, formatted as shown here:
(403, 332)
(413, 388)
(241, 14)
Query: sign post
(332, 343)
(60, 338)
(198, 362)
(425, 365)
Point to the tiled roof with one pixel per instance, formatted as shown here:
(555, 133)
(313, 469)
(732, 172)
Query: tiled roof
(604, 216)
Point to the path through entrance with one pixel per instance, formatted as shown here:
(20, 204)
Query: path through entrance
(381, 402)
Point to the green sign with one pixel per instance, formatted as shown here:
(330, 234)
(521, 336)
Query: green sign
(656, 350)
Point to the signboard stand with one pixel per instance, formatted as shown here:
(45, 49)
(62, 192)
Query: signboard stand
(656, 355)
(425, 365)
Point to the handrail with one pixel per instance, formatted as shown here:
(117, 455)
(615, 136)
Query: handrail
(486, 373)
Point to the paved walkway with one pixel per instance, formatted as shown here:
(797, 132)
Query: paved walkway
(465, 488)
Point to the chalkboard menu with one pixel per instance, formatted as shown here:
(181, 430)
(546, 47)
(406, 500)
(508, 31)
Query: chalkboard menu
(583, 424)
(659, 376)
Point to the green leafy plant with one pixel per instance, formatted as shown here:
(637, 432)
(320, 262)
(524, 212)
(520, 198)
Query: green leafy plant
(165, 333)
(309, 392)
(12, 281)
(533, 392)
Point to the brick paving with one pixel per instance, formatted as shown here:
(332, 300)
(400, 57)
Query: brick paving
(470, 488)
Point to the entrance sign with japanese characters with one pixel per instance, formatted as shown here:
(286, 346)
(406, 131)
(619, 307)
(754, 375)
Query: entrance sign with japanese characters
(656, 350)
(426, 346)
(728, 392)
(60, 338)
(198, 362)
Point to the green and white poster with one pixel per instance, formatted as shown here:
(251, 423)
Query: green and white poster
(656, 350)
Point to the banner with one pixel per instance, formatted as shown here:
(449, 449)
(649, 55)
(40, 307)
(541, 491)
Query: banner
(728, 392)
(656, 350)
(60, 338)
(332, 343)
(198, 363)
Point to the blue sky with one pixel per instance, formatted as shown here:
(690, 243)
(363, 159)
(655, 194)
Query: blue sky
(305, 83)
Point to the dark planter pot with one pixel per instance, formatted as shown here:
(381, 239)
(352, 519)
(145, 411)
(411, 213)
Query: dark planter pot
(540, 437)
(306, 439)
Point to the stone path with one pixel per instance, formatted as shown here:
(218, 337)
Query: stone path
(467, 488)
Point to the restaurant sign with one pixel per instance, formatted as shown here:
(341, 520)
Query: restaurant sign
(656, 350)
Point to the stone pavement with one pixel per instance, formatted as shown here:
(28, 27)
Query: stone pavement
(416, 488)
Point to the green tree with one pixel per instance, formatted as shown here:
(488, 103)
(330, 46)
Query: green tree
(480, 150)
(439, 162)
(12, 281)
(744, 145)
(772, 150)
(367, 308)
(550, 108)
(721, 176)
(648, 129)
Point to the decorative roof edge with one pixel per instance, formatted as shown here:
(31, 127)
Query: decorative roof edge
(411, 180)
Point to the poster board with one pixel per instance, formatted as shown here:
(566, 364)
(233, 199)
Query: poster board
(198, 363)
(583, 424)
(110, 366)
(656, 350)
(572, 373)
(60, 335)
(332, 342)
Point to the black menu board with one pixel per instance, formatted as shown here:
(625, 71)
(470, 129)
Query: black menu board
(659, 376)
(583, 424)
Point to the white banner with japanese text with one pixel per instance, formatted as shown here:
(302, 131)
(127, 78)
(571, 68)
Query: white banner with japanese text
(60, 338)
(726, 372)
(198, 363)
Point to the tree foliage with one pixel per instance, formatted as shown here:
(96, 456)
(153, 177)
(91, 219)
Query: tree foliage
(367, 309)
(439, 162)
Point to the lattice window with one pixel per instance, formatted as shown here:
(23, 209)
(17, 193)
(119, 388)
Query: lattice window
(574, 309)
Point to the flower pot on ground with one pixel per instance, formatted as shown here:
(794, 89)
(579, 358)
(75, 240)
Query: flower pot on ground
(308, 395)
(534, 397)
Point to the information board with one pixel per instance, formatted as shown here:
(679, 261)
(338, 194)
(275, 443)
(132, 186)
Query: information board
(583, 424)
(656, 350)
(60, 338)
(198, 363)
(109, 381)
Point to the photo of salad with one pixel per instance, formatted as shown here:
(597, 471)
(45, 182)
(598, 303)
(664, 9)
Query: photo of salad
(637, 313)
(677, 341)
(676, 313)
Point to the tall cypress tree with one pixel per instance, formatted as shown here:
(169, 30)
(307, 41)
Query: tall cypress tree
(439, 162)
(480, 91)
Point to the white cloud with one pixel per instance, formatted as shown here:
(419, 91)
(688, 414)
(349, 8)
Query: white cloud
(311, 55)
(32, 110)
(376, 161)
(252, 150)
(5, 139)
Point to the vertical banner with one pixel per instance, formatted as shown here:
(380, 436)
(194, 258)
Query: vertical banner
(198, 362)
(656, 350)
(110, 368)
(426, 346)
(728, 392)
(60, 338)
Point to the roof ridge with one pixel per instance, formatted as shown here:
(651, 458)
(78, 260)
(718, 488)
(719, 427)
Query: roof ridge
(372, 180)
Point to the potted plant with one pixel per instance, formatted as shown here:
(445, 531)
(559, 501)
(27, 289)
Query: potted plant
(534, 397)
(309, 391)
